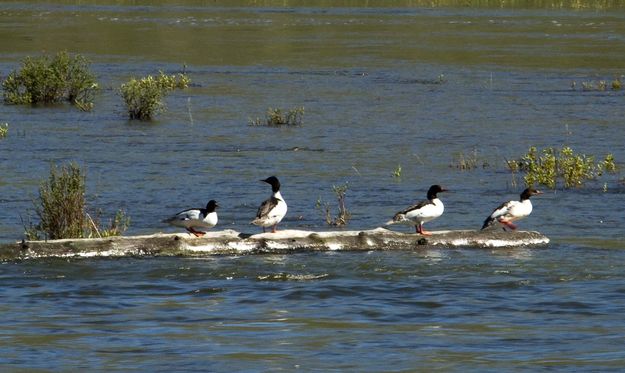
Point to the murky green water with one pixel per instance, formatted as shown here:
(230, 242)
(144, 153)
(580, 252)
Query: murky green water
(408, 83)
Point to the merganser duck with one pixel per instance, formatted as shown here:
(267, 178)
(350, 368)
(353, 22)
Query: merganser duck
(272, 210)
(196, 218)
(510, 211)
(422, 212)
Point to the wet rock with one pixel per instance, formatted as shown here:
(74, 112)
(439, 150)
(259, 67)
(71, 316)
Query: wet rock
(230, 242)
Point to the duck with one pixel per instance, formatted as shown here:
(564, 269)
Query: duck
(196, 218)
(511, 211)
(422, 212)
(273, 209)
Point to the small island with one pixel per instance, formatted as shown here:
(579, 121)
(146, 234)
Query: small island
(230, 242)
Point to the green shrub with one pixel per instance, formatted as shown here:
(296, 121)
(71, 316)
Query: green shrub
(61, 208)
(48, 80)
(144, 97)
(278, 117)
(4, 130)
(551, 165)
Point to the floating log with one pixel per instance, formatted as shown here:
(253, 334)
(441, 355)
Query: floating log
(230, 242)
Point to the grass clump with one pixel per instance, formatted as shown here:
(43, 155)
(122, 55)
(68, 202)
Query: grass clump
(468, 161)
(600, 85)
(550, 166)
(144, 97)
(343, 215)
(4, 130)
(116, 226)
(49, 80)
(61, 208)
(279, 117)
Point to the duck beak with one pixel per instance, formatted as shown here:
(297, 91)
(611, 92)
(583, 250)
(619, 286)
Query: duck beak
(538, 192)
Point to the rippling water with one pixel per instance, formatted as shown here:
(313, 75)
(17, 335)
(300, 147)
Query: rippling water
(408, 85)
(518, 309)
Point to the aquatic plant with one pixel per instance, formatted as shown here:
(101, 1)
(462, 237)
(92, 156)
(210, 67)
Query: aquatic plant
(61, 205)
(116, 227)
(550, 165)
(61, 208)
(4, 130)
(48, 79)
(279, 117)
(343, 213)
(144, 97)
(397, 172)
(466, 162)
(600, 85)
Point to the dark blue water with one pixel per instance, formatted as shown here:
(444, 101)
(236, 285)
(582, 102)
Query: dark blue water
(381, 87)
(455, 310)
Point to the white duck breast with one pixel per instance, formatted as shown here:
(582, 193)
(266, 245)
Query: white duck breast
(271, 211)
(513, 210)
(194, 218)
(422, 212)
(425, 212)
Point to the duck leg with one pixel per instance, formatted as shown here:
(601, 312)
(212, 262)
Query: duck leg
(195, 233)
(421, 231)
(274, 229)
(508, 224)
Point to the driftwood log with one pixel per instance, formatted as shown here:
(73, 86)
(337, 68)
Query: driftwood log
(230, 242)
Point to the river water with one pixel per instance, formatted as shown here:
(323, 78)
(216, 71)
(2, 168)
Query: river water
(415, 84)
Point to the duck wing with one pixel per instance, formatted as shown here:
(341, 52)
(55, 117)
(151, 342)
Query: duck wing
(500, 211)
(417, 206)
(266, 207)
(189, 214)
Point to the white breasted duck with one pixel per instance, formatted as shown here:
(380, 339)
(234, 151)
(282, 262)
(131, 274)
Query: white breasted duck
(422, 212)
(272, 210)
(193, 219)
(510, 211)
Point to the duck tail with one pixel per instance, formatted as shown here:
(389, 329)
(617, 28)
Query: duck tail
(399, 217)
(488, 222)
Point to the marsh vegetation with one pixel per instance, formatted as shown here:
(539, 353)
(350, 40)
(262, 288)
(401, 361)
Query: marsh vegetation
(47, 80)
(397, 172)
(144, 97)
(280, 117)
(551, 167)
(600, 85)
(469, 161)
(62, 208)
(343, 214)
(4, 130)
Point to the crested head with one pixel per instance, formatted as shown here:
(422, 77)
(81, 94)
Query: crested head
(528, 192)
(434, 189)
(211, 206)
(273, 181)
